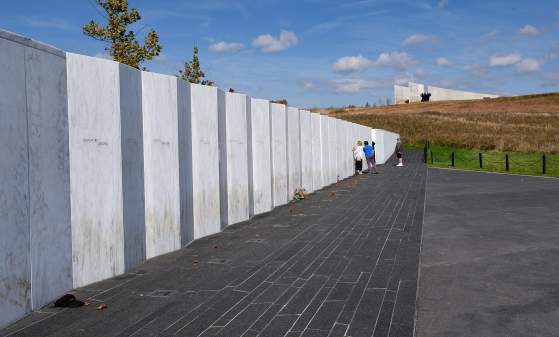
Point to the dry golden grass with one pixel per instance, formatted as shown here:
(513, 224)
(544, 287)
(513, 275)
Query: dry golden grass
(524, 123)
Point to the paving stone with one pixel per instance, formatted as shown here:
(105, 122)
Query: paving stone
(345, 317)
(381, 274)
(279, 326)
(365, 318)
(303, 320)
(385, 317)
(304, 296)
(315, 333)
(338, 330)
(326, 315)
(271, 294)
(341, 291)
(240, 324)
(241, 305)
(357, 292)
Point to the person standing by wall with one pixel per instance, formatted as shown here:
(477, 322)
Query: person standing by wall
(399, 152)
(369, 151)
(358, 157)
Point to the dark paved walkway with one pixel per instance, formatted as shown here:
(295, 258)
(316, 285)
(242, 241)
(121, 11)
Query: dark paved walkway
(342, 263)
(490, 256)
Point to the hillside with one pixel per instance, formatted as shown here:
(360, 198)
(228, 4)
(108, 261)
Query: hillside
(523, 123)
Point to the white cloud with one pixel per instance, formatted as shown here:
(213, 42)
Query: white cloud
(417, 38)
(224, 47)
(442, 4)
(504, 60)
(271, 44)
(395, 59)
(488, 37)
(355, 85)
(443, 61)
(522, 65)
(528, 65)
(528, 30)
(349, 64)
(419, 72)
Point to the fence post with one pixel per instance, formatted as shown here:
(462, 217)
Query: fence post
(507, 162)
(480, 161)
(452, 158)
(431, 157)
(425, 154)
(543, 164)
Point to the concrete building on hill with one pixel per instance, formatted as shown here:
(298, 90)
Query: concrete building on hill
(412, 93)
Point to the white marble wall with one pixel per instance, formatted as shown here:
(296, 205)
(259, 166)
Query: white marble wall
(316, 152)
(306, 150)
(199, 160)
(15, 284)
(341, 158)
(278, 134)
(385, 144)
(401, 94)
(35, 239)
(325, 153)
(259, 161)
(95, 169)
(442, 94)
(132, 147)
(348, 156)
(416, 90)
(293, 151)
(332, 149)
(49, 179)
(161, 164)
(233, 158)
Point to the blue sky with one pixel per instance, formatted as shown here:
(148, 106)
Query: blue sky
(318, 53)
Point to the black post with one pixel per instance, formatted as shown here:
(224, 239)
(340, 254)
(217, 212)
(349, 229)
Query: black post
(507, 162)
(480, 161)
(543, 164)
(452, 158)
(431, 157)
(425, 154)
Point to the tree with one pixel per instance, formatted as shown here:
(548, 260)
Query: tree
(367, 105)
(124, 47)
(192, 72)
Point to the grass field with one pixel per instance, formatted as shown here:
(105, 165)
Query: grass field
(528, 124)
(519, 163)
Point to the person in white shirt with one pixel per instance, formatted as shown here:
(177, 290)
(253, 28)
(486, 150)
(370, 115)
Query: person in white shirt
(358, 157)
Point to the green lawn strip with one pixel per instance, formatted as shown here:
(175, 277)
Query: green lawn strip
(519, 163)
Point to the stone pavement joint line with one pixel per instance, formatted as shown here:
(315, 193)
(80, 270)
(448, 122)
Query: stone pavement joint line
(344, 262)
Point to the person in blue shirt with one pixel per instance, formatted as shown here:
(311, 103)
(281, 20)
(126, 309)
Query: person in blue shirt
(370, 156)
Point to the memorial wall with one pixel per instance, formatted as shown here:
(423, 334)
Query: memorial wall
(105, 166)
